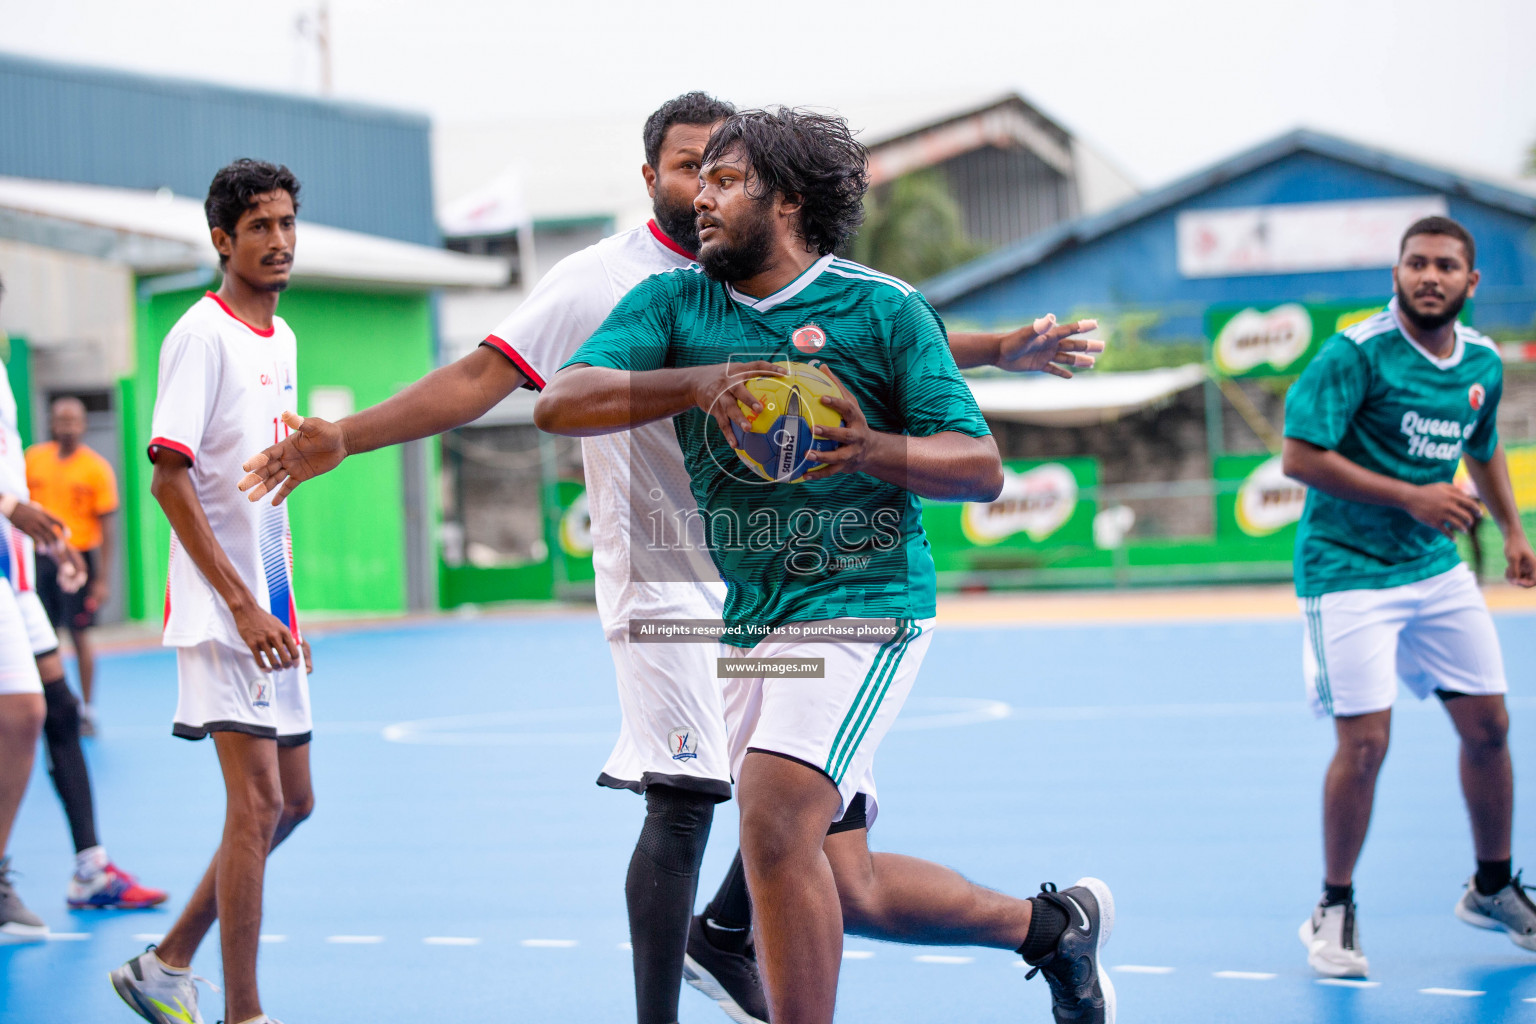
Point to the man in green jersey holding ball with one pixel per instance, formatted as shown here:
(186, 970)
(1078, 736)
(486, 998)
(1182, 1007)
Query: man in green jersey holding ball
(809, 564)
(1376, 427)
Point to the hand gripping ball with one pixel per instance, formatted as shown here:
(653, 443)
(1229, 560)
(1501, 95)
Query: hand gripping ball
(775, 446)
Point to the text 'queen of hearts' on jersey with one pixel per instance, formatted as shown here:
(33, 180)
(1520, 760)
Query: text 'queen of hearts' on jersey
(1381, 400)
(224, 386)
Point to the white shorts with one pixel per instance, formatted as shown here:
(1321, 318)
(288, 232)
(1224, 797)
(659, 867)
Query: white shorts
(1434, 634)
(832, 724)
(18, 666)
(220, 689)
(40, 635)
(674, 730)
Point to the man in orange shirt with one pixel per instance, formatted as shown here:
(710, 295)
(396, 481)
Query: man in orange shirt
(77, 485)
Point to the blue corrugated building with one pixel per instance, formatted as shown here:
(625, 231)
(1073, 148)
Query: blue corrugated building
(363, 168)
(1146, 255)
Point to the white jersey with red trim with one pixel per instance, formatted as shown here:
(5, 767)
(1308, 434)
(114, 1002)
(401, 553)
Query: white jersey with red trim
(637, 486)
(17, 563)
(224, 386)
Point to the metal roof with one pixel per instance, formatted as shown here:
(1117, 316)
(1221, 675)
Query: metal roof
(954, 284)
(159, 232)
(363, 168)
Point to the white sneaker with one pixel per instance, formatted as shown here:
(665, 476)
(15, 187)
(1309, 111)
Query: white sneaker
(158, 994)
(1510, 909)
(1332, 938)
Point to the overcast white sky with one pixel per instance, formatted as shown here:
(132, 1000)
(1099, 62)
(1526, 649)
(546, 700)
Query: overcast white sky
(1161, 88)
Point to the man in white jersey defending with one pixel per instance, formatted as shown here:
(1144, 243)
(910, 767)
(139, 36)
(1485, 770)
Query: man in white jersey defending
(227, 378)
(1376, 427)
(21, 690)
(673, 745)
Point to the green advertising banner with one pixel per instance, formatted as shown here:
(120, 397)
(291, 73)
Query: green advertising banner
(1040, 508)
(1255, 500)
(1251, 341)
(573, 533)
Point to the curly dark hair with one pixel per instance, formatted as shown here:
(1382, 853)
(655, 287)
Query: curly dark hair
(697, 108)
(235, 188)
(1441, 226)
(799, 153)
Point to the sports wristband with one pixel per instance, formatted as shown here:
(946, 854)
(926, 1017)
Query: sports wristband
(8, 503)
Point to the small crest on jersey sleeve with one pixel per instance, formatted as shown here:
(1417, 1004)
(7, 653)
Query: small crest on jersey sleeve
(809, 339)
(1476, 394)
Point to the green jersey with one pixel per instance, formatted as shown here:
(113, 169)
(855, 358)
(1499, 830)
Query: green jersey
(1378, 398)
(847, 545)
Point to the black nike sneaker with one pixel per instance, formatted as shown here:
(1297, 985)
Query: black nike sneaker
(1080, 992)
(729, 978)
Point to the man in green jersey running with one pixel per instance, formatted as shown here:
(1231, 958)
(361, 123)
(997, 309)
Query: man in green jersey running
(1376, 427)
(809, 566)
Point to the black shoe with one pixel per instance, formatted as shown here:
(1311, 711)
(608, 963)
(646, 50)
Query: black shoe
(1080, 993)
(730, 979)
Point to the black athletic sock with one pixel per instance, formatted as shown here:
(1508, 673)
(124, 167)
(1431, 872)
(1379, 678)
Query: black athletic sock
(66, 762)
(728, 917)
(1493, 875)
(659, 891)
(1336, 894)
(1046, 924)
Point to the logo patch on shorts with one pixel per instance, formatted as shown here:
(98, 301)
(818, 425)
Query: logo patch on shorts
(1475, 395)
(683, 745)
(261, 693)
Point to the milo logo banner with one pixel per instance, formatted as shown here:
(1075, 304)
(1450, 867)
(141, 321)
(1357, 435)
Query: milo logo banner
(1041, 505)
(1264, 503)
(1268, 341)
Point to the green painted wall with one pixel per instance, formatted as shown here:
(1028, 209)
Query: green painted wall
(348, 527)
(18, 369)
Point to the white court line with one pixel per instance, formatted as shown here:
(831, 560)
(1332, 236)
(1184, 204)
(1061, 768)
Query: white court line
(1348, 983)
(1531, 1000)
(148, 937)
(940, 958)
(550, 943)
(1244, 975)
(67, 936)
(858, 954)
(274, 938)
(450, 940)
(355, 940)
(1465, 993)
(1141, 969)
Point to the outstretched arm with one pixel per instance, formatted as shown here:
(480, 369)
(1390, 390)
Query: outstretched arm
(448, 397)
(1493, 486)
(582, 400)
(1042, 346)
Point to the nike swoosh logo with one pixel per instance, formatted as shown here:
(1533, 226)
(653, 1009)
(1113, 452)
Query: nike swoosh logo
(1085, 926)
(180, 1014)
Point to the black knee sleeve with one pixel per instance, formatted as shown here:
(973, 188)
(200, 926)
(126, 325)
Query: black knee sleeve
(659, 891)
(63, 719)
(66, 762)
(676, 828)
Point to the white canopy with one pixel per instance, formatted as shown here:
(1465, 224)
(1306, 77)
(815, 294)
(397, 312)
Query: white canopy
(497, 208)
(157, 232)
(1082, 401)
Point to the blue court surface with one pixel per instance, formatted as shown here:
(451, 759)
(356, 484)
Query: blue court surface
(462, 866)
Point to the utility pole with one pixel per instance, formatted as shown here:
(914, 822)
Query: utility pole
(317, 28)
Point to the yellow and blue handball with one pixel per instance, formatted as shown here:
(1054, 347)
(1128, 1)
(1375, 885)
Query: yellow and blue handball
(776, 445)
